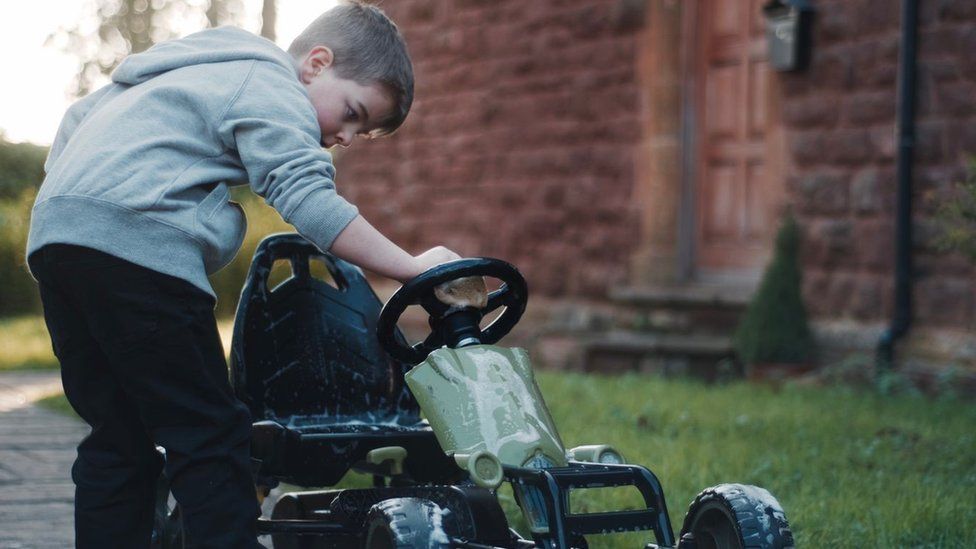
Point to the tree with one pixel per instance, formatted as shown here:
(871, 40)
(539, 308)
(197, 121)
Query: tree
(269, 19)
(131, 26)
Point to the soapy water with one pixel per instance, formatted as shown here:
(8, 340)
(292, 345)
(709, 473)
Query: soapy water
(766, 505)
(507, 411)
(438, 535)
(357, 424)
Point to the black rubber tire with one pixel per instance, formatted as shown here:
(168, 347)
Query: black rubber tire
(736, 516)
(406, 523)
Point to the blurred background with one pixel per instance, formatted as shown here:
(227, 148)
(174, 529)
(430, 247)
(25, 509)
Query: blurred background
(635, 158)
(61, 50)
(698, 192)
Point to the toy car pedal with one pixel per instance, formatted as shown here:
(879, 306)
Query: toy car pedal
(393, 454)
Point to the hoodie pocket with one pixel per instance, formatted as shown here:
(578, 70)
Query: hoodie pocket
(221, 225)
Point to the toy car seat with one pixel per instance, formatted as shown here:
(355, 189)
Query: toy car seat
(322, 392)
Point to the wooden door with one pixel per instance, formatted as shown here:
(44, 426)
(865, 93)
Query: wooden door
(737, 194)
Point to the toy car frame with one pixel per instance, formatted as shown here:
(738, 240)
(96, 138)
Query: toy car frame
(334, 386)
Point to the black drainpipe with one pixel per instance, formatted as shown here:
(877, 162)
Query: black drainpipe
(902, 319)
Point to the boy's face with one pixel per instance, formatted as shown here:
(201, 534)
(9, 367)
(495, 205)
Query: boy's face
(344, 107)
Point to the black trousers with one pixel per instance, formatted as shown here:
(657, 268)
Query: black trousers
(142, 364)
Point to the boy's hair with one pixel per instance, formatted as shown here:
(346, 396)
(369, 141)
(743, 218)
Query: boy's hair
(368, 49)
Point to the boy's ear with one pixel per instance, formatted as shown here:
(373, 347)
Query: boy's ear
(316, 60)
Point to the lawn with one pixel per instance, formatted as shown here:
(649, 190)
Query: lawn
(852, 468)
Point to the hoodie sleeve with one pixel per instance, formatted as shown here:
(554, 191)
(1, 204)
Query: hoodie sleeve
(72, 119)
(272, 125)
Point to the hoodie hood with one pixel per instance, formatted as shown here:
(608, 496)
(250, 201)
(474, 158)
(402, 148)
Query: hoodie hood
(210, 46)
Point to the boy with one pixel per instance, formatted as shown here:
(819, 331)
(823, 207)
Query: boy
(134, 214)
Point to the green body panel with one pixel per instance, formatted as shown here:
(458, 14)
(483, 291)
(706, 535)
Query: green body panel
(484, 398)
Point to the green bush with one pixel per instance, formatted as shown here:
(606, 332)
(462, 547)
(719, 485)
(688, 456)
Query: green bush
(21, 167)
(18, 291)
(774, 328)
(21, 173)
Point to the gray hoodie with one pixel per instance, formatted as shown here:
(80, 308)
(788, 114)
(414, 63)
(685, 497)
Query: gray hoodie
(140, 168)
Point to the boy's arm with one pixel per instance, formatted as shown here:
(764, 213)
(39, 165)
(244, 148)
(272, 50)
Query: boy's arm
(361, 244)
(272, 126)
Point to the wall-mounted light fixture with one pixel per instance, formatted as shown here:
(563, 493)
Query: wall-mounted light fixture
(788, 30)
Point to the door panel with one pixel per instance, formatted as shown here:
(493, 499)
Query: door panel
(737, 194)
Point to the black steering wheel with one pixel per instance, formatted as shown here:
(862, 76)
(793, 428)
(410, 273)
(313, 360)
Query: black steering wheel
(453, 326)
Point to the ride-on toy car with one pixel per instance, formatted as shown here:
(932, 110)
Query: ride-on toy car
(334, 386)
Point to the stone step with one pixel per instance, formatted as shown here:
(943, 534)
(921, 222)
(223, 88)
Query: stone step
(685, 295)
(698, 355)
(684, 308)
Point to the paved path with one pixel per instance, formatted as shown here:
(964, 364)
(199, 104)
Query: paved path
(37, 448)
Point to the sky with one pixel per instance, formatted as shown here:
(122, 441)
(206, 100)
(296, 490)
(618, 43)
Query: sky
(35, 79)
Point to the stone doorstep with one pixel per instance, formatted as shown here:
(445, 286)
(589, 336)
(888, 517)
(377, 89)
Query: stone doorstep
(693, 308)
(635, 342)
(690, 295)
(670, 354)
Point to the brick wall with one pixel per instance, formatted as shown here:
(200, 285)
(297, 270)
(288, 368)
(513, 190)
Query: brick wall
(840, 120)
(522, 138)
(520, 141)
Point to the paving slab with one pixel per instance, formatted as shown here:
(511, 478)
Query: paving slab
(37, 449)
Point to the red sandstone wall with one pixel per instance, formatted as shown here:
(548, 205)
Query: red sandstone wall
(840, 118)
(520, 141)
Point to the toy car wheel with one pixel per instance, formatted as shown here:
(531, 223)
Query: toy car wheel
(412, 523)
(735, 516)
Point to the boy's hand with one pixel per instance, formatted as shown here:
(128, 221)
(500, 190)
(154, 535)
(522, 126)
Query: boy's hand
(432, 257)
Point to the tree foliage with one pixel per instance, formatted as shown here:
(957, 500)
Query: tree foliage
(21, 173)
(117, 28)
(21, 167)
(774, 328)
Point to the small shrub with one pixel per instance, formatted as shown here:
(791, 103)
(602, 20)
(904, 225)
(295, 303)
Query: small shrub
(774, 328)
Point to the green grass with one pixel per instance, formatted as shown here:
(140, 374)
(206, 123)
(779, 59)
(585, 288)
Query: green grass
(25, 344)
(851, 468)
(57, 403)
